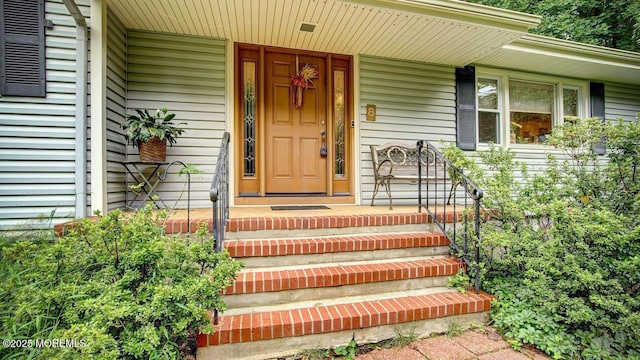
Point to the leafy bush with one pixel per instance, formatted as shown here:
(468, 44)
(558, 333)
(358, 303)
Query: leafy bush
(118, 286)
(561, 248)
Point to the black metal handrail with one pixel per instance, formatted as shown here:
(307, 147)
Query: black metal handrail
(462, 226)
(219, 194)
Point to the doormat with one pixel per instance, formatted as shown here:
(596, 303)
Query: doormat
(298, 207)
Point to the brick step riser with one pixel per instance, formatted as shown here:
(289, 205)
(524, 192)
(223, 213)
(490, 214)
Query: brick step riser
(268, 325)
(338, 257)
(324, 222)
(299, 233)
(251, 300)
(292, 224)
(286, 347)
(249, 282)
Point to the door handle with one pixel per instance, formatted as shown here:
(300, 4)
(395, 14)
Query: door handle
(323, 146)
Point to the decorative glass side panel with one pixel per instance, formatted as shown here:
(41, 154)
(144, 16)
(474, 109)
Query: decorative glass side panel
(249, 117)
(339, 121)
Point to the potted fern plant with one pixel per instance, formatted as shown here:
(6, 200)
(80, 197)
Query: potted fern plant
(150, 132)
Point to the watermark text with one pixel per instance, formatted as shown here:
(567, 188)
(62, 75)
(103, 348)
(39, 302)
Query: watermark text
(43, 343)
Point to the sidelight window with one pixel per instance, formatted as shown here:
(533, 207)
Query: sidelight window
(249, 117)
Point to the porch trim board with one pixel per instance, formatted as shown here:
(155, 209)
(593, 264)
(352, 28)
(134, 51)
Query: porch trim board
(98, 54)
(461, 11)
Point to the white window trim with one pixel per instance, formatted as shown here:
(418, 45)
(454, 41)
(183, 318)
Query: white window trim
(498, 111)
(559, 83)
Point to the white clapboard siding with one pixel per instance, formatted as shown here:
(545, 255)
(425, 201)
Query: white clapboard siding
(37, 159)
(116, 110)
(187, 75)
(414, 101)
(621, 101)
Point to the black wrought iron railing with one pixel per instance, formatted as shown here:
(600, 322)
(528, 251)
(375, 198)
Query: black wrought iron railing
(453, 202)
(219, 194)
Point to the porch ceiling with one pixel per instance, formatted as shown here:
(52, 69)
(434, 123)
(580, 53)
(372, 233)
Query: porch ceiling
(447, 32)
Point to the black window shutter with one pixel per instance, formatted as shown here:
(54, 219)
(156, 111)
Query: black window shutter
(22, 48)
(466, 108)
(596, 93)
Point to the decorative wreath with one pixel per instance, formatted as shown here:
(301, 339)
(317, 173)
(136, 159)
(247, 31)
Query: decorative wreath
(301, 81)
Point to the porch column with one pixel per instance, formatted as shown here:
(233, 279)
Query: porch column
(98, 33)
(230, 113)
(357, 173)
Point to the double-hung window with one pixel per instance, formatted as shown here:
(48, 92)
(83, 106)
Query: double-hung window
(489, 122)
(521, 111)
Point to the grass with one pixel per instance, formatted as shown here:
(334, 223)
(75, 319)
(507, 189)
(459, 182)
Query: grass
(404, 339)
(454, 329)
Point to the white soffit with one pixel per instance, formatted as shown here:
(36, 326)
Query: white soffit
(446, 32)
(546, 55)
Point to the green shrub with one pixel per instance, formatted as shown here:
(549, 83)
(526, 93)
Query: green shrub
(118, 286)
(561, 248)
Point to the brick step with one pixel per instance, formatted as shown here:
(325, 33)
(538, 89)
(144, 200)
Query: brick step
(251, 224)
(333, 222)
(328, 281)
(317, 250)
(255, 334)
(252, 281)
(324, 221)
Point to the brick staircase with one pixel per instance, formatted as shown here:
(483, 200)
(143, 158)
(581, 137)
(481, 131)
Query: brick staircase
(319, 281)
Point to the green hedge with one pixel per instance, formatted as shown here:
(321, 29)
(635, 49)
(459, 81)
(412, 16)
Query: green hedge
(119, 287)
(561, 249)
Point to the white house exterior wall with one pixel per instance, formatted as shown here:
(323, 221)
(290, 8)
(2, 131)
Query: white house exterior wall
(116, 109)
(621, 101)
(414, 101)
(37, 136)
(187, 75)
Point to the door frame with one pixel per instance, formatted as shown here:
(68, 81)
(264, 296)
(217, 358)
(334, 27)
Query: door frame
(250, 190)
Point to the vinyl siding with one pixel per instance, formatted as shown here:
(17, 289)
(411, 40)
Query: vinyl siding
(187, 75)
(621, 101)
(413, 101)
(37, 136)
(116, 110)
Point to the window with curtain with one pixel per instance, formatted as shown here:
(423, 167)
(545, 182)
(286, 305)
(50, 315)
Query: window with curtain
(531, 111)
(522, 111)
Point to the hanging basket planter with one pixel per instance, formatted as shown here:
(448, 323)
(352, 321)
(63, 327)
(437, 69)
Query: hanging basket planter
(301, 81)
(153, 150)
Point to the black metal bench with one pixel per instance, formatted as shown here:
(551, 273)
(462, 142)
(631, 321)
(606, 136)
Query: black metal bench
(397, 161)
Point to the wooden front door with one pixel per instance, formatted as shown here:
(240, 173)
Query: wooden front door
(294, 135)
